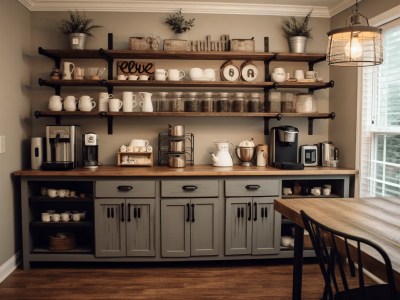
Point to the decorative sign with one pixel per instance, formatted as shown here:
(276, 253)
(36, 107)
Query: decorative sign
(248, 71)
(127, 67)
(229, 72)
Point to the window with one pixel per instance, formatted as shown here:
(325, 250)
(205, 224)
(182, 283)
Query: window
(380, 137)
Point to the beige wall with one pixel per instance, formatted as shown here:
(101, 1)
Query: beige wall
(206, 130)
(15, 122)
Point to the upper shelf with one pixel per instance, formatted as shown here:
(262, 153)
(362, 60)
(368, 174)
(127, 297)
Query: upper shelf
(184, 55)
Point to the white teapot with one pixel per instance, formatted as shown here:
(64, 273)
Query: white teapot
(278, 75)
(86, 103)
(55, 103)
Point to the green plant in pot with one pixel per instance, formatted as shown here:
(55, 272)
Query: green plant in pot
(297, 32)
(178, 22)
(78, 27)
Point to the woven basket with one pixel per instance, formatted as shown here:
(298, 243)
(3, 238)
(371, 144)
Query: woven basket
(62, 241)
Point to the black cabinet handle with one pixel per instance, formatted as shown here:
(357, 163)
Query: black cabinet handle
(193, 213)
(124, 188)
(108, 212)
(129, 212)
(134, 213)
(266, 212)
(238, 212)
(249, 208)
(138, 212)
(189, 188)
(122, 213)
(112, 212)
(262, 212)
(188, 212)
(252, 187)
(255, 211)
(242, 212)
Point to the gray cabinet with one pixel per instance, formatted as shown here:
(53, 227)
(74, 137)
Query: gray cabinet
(125, 226)
(251, 223)
(189, 218)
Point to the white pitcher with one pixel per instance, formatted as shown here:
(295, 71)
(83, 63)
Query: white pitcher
(70, 103)
(146, 104)
(55, 103)
(68, 69)
(86, 103)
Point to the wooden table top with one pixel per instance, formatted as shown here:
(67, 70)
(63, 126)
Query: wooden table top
(376, 219)
(196, 170)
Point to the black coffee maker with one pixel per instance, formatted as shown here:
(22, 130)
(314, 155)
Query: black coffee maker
(283, 150)
(90, 150)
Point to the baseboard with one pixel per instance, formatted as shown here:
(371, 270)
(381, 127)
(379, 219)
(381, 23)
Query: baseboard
(10, 265)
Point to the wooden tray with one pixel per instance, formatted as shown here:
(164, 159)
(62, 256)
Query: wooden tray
(135, 159)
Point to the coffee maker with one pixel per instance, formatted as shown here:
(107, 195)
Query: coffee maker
(61, 146)
(90, 150)
(283, 150)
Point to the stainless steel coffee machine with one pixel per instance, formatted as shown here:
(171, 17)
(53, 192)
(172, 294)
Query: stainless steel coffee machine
(283, 149)
(61, 144)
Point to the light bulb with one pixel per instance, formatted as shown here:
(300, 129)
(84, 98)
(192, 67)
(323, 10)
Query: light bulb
(353, 48)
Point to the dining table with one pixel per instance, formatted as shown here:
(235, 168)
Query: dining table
(374, 218)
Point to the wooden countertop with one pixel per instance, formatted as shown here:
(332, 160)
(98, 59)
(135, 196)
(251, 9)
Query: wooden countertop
(196, 170)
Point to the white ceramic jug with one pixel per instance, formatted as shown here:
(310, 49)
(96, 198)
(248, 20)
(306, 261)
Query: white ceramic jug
(55, 103)
(68, 69)
(86, 103)
(146, 104)
(70, 103)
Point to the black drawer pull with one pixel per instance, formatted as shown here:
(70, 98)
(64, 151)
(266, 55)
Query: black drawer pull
(193, 213)
(138, 213)
(262, 212)
(122, 212)
(188, 212)
(249, 208)
(129, 212)
(134, 212)
(266, 212)
(252, 187)
(108, 213)
(238, 212)
(124, 188)
(255, 211)
(112, 212)
(189, 188)
(242, 212)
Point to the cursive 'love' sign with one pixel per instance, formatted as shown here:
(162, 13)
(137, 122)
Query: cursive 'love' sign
(127, 67)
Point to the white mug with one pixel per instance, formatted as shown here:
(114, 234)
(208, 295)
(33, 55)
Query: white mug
(287, 191)
(114, 105)
(56, 217)
(62, 193)
(122, 77)
(70, 103)
(298, 74)
(65, 216)
(210, 73)
(128, 105)
(133, 77)
(55, 103)
(175, 74)
(103, 101)
(160, 74)
(86, 103)
(195, 73)
(122, 148)
(311, 75)
(144, 77)
(52, 193)
(76, 217)
(46, 217)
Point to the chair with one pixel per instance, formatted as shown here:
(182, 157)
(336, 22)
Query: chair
(334, 251)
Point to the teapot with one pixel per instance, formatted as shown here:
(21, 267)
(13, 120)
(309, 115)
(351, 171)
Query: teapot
(146, 104)
(55, 103)
(223, 158)
(86, 103)
(278, 75)
(68, 69)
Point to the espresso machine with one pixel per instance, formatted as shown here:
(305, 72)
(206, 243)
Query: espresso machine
(90, 150)
(61, 144)
(283, 149)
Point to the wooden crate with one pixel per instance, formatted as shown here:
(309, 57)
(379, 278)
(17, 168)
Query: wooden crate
(175, 45)
(242, 45)
(135, 159)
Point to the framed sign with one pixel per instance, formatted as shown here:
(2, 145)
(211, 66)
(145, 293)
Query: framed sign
(128, 67)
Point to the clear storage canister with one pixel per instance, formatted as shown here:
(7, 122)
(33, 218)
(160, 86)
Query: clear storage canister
(207, 103)
(223, 103)
(274, 103)
(254, 104)
(287, 104)
(238, 102)
(163, 102)
(177, 103)
(191, 102)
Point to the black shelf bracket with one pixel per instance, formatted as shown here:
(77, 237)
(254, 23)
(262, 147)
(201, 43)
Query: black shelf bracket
(56, 87)
(331, 116)
(110, 120)
(39, 114)
(329, 84)
(266, 122)
(110, 87)
(312, 63)
(57, 59)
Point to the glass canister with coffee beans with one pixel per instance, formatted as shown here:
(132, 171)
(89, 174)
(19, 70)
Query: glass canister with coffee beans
(192, 102)
(163, 102)
(207, 102)
(223, 103)
(177, 104)
(238, 102)
(254, 104)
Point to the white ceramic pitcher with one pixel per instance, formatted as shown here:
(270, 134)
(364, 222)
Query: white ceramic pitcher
(68, 69)
(86, 103)
(146, 104)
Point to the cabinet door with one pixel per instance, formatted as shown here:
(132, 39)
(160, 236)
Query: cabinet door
(204, 227)
(238, 226)
(265, 239)
(175, 227)
(110, 227)
(140, 227)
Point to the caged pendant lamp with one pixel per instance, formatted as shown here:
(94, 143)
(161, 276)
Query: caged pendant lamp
(356, 45)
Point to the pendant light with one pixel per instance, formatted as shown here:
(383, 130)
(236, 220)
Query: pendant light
(357, 44)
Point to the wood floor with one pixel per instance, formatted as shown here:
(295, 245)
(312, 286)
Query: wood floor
(222, 280)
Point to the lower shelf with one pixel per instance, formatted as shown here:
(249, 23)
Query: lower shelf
(79, 250)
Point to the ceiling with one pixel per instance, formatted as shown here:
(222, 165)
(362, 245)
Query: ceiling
(321, 8)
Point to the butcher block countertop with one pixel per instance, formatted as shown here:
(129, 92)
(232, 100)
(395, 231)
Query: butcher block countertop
(196, 170)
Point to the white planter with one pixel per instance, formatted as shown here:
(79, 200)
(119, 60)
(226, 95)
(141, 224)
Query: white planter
(78, 41)
(297, 44)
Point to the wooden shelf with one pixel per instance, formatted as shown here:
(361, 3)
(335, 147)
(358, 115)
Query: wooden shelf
(59, 54)
(300, 57)
(61, 224)
(58, 199)
(72, 82)
(79, 249)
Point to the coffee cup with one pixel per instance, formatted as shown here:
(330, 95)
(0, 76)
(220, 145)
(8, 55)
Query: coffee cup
(55, 103)
(326, 191)
(114, 105)
(316, 191)
(311, 75)
(195, 73)
(133, 77)
(130, 149)
(76, 217)
(52, 193)
(86, 103)
(160, 74)
(144, 77)
(55, 217)
(210, 73)
(175, 74)
(66, 216)
(298, 74)
(103, 101)
(62, 194)
(287, 191)
(122, 77)
(128, 105)
(79, 73)
(122, 148)
(46, 217)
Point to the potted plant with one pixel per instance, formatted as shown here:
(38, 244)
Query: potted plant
(178, 22)
(297, 32)
(78, 27)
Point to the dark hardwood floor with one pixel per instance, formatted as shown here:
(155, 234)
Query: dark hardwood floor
(222, 280)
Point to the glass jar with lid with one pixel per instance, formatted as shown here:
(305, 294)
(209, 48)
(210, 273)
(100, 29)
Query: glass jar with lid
(191, 102)
(238, 102)
(254, 103)
(207, 103)
(177, 103)
(163, 102)
(223, 103)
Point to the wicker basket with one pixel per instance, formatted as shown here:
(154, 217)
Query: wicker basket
(62, 241)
